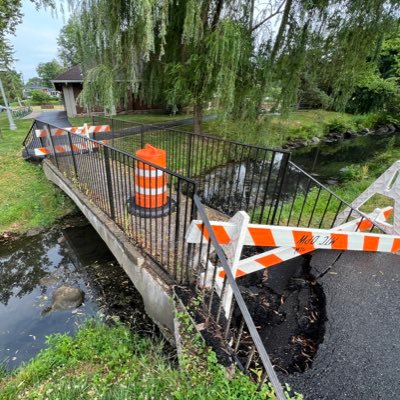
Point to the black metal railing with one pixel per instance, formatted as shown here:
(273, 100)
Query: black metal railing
(305, 202)
(107, 176)
(31, 141)
(230, 176)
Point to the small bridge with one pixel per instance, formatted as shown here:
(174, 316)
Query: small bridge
(208, 178)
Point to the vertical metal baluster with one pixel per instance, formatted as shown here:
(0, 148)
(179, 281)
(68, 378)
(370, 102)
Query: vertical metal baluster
(264, 200)
(109, 183)
(281, 173)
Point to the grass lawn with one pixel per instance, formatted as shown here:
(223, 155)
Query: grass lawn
(113, 363)
(27, 198)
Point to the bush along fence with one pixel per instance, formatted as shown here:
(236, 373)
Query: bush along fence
(21, 112)
(206, 178)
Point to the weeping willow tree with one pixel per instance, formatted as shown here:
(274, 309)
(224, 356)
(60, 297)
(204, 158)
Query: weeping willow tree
(229, 51)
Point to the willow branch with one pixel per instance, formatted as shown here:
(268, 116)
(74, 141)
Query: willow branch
(278, 11)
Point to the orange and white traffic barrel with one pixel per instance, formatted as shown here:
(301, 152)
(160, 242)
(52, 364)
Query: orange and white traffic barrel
(150, 198)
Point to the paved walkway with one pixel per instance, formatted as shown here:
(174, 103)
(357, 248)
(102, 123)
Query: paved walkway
(359, 357)
(56, 118)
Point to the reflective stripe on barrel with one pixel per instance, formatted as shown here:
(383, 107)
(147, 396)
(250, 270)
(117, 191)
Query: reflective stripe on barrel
(150, 182)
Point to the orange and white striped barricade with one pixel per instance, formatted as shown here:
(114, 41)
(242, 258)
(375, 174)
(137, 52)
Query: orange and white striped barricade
(84, 130)
(54, 138)
(289, 242)
(150, 198)
(292, 241)
(42, 133)
(65, 148)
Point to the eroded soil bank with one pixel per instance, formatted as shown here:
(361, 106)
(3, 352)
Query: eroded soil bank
(288, 306)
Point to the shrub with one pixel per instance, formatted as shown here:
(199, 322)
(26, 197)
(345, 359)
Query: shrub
(40, 97)
(339, 125)
(355, 172)
(375, 94)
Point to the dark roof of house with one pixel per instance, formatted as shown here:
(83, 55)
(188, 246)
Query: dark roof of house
(73, 74)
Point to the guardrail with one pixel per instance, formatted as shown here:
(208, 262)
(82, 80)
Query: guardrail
(107, 177)
(232, 176)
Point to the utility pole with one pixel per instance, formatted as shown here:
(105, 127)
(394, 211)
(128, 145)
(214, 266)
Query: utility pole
(13, 127)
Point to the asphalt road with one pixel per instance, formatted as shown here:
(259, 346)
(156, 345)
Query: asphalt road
(360, 355)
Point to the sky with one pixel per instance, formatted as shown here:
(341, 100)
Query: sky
(36, 38)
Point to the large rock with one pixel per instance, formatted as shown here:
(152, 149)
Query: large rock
(391, 128)
(365, 131)
(315, 140)
(65, 298)
(382, 130)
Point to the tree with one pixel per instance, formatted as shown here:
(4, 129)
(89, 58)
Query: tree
(192, 51)
(378, 89)
(48, 71)
(35, 81)
(68, 43)
(13, 84)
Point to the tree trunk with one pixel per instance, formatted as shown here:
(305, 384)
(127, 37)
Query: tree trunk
(198, 118)
(281, 31)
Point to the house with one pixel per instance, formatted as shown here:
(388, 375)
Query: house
(27, 91)
(70, 84)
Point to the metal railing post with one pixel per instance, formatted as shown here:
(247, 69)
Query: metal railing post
(189, 158)
(47, 128)
(282, 174)
(112, 131)
(109, 182)
(142, 136)
(72, 153)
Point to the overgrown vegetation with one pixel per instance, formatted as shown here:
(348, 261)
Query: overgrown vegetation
(27, 198)
(113, 363)
(276, 130)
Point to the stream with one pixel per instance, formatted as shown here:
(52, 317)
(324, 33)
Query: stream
(325, 161)
(32, 267)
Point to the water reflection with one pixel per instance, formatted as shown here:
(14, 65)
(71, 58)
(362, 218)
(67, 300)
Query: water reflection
(256, 185)
(249, 185)
(326, 160)
(32, 267)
